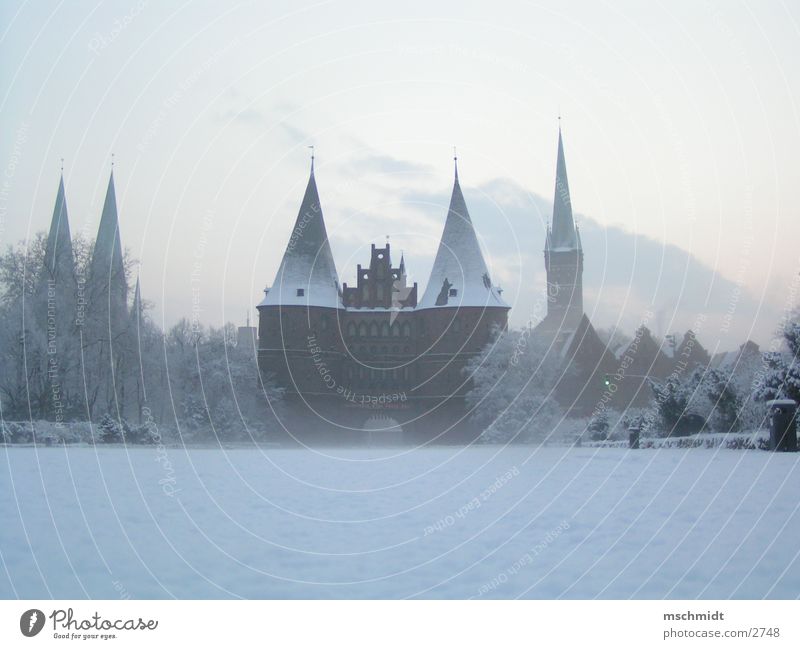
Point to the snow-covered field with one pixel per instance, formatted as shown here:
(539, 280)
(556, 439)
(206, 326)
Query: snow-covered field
(443, 522)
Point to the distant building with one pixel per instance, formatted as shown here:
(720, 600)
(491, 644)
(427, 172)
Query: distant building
(378, 352)
(566, 329)
(350, 356)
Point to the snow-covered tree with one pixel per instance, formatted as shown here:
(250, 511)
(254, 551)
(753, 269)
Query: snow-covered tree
(599, 426)
(512, 395)
(677, 397)
(780, 377)
(721, 391)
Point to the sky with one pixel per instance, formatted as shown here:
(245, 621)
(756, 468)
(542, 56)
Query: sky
(680, 121)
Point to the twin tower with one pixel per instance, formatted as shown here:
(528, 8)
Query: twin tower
(378, 360)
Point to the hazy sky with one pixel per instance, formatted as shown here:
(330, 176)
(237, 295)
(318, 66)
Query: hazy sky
(680, 120)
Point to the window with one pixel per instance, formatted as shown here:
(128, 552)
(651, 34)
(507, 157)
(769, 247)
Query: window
(457, 325)
(323, 323)
(453, 292)
(301, 292)
(373, 330)
(406, 330)
(385, 330)
(396, 330)
(351, 329)
(379, 291)
(362, 329)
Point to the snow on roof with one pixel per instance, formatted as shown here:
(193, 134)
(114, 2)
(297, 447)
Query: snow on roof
(459, 277)
(307, 274)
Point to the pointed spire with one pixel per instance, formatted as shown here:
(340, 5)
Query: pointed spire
(459, 276)
(455, 163)
(311, 146)
(402, 266)
(307, 274)
(59, 262)
(106, 271)
(563, 233)
(137, 308)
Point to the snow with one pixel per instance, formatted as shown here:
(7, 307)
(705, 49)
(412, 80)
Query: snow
(481, 522)
(307, 275)
(459, 261)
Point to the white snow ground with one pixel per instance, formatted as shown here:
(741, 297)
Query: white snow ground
(443, 522)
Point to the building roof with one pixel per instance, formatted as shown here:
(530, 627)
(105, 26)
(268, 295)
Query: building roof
(107, 272)
(562, 234)
(459, 277)
(58, 258)
(307, 274)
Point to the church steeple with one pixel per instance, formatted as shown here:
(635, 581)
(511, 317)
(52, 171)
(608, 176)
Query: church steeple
(307, 275)
(563, 234)
(59, 264)
(137, 307)
(459, 276)
(106, 271)
(563, 256)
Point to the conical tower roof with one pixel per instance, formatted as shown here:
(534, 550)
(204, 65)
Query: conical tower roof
(59, 263)
(307, 274)
(562, 234)
(107, 255)
(108, 285)
(459, 277)
(136, 307)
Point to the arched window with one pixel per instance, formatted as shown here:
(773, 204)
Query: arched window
(351, 329)
(362, 329)
(406, 330)
(324, 322)
(396, 329)
(379, 292)
(373, 330)
(456, 324)
(385, 330)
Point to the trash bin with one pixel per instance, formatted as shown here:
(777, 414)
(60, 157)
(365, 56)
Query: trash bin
(633, 437)
(783, 425)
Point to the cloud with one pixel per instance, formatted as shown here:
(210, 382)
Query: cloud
(248, 116)
(626, 275)
(384, 164)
